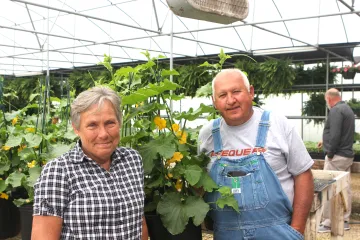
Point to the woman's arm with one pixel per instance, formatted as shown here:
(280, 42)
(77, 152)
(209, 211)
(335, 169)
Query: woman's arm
(145, 234)
(46, 228)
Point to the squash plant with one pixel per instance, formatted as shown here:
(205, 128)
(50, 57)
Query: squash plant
(174, 173)
(26, 145)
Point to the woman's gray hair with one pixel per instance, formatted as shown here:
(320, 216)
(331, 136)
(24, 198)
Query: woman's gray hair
(232, 70)
(92, 96)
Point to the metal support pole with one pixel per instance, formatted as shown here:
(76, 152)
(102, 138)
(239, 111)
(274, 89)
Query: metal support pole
(327, 79)
(171, 54)
(302, 120)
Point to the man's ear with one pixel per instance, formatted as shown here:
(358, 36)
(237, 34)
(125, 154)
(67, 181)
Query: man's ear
(252, 92)
(213, 102)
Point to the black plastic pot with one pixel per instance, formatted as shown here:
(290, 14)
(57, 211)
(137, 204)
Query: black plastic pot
(158, 232)
(9, 219)
(26, 212)
(348, 75)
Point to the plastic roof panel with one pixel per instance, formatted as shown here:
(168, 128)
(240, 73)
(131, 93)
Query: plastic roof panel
(81, 32)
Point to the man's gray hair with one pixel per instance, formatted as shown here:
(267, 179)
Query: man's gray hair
(232, 70)
(92, 96)
(333, 92)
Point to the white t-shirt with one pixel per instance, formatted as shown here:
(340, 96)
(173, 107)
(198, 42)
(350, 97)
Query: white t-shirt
(284, 149)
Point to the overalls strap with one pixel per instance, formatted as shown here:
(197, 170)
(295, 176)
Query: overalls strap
(216, 136)
(263, 129)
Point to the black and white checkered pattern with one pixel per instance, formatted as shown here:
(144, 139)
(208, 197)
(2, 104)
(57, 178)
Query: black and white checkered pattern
(93, 203)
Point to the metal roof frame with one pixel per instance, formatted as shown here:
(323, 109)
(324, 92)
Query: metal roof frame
(17, 58)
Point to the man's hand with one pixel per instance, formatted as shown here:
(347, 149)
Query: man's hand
(320, 144)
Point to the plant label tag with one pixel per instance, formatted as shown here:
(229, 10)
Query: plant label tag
(236, 190)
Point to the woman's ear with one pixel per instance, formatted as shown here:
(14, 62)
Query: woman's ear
(75, 130)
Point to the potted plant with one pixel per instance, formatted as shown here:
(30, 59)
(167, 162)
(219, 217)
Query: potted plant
(175, 176)
(348, 72)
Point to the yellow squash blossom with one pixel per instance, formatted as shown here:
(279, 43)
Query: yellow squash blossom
(175, 127)
(31, 164)
(175, 158)
(179, 185)
(183, 136)
(32, 130)
(4, 196)
(5, 148)
(160, 122)
(21, 147)
(14, 121)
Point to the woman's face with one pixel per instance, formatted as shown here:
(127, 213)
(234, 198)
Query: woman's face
(99, 132)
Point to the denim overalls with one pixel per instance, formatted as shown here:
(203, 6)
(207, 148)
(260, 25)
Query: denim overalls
(265, 210)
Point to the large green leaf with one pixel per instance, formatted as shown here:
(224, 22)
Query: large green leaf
(33, 140)
(139, 96)
(166, 72)
(15, 179)
(2, 185)
(34, 174)
(204, 91)
(12, 115)
(172, 213)
(196, 208)
(163, 145)
(193, 174)
(157, 183)
(149, 91)
(27, 154)
(142, 110)
(227, 198)
(13, 141)
(57, 150)
(206, 183)
(70, 135)
(4, 166)
(192, 115)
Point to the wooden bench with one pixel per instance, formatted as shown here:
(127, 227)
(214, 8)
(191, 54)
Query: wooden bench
(335, 192)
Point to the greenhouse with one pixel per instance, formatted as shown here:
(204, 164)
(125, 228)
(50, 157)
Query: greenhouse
(161, 57)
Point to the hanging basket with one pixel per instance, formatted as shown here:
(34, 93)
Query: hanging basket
(218, 11)
(348, 75)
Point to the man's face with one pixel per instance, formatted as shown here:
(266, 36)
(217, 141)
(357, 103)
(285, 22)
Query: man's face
(99, 132)
(232, 99)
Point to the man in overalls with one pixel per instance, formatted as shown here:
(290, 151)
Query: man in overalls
(261, 157)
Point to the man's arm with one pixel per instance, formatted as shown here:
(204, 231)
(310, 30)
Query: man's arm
(335, 119)
(303, 197)
(46, 228)
(145, 234)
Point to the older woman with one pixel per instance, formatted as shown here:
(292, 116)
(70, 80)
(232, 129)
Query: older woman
(94, 191)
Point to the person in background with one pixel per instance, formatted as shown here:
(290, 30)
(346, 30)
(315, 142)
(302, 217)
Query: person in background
(338, 139)
(95, 190)
(261, 157)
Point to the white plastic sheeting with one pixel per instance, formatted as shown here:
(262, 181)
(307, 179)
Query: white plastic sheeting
(79, 32)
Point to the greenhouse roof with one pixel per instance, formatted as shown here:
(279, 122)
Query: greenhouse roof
(81, 32)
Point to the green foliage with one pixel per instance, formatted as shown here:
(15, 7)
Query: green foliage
(174, 172)
(27, 142)
(355, 106)
(316, 106)
(314, 75)
(191, 78)
(272, 76)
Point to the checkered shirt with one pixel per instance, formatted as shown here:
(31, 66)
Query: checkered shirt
(93, 203)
